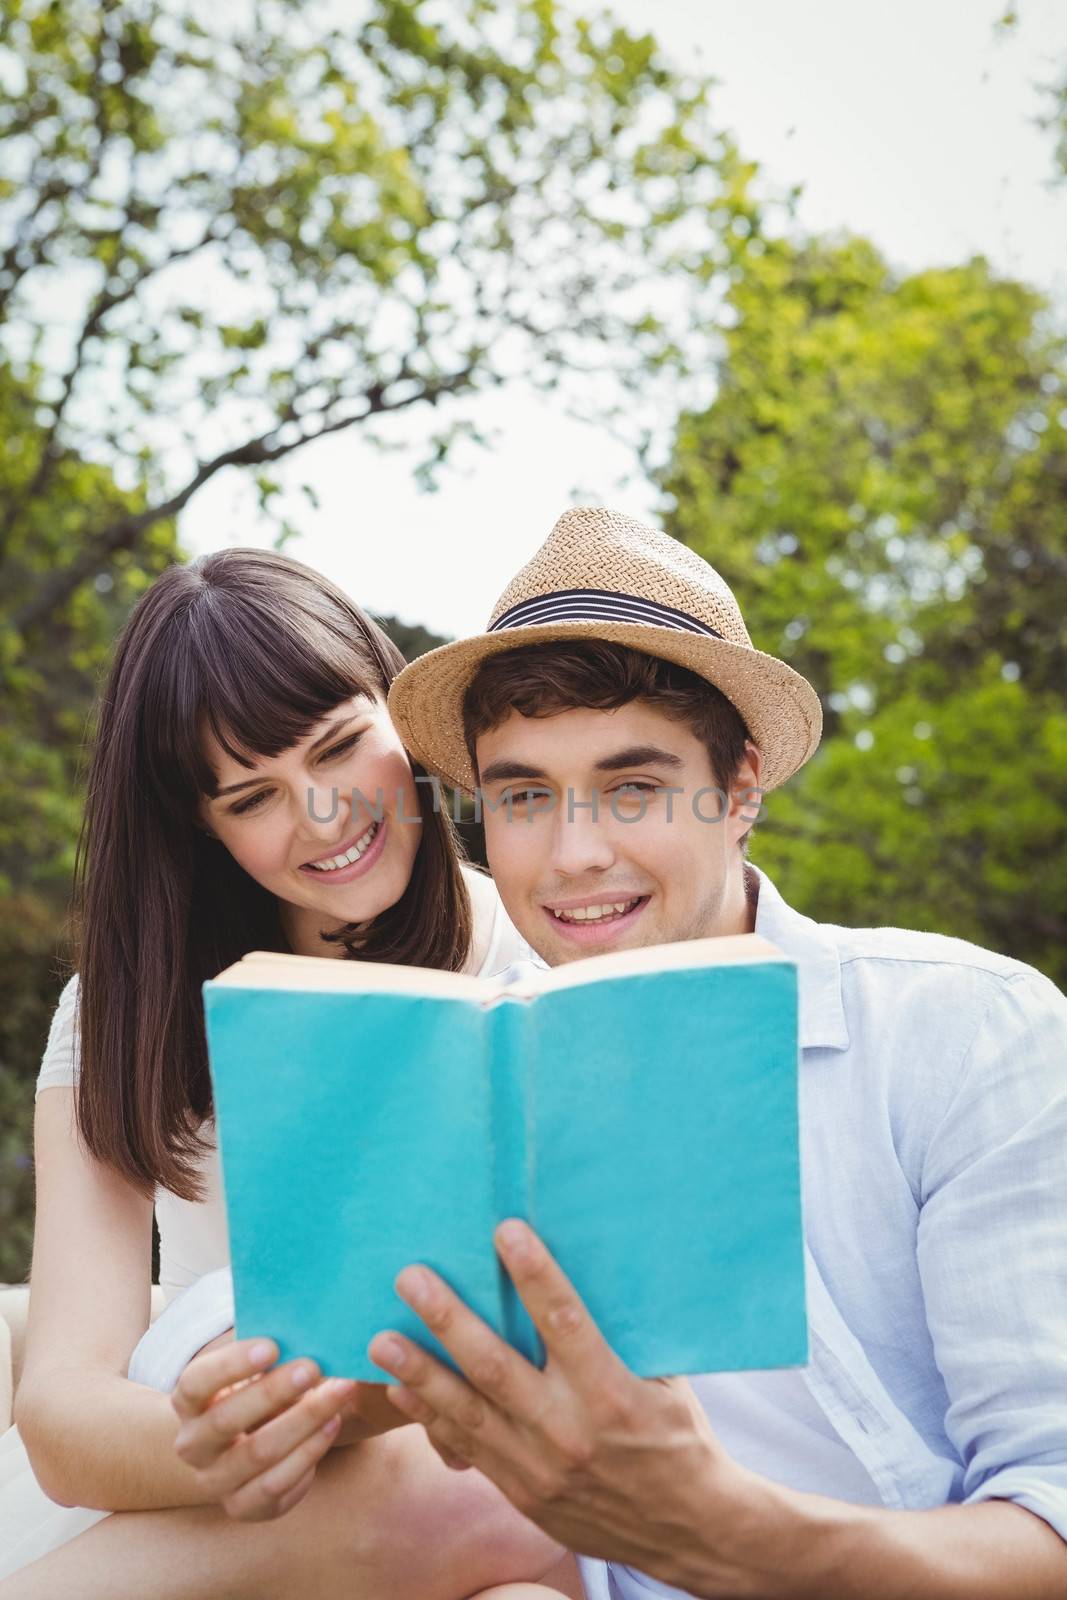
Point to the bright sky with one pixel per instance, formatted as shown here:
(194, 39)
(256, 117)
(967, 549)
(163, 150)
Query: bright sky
(912, 123)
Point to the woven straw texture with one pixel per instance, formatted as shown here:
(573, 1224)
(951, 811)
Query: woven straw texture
(592, 548)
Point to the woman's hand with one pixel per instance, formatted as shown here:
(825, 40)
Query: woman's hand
(255, 1437)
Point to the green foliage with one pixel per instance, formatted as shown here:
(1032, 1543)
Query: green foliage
(1055, 119)
(882, 480)
(49, 677)
(410, 638)
(272, 229)
(31, 975)
(50, 674)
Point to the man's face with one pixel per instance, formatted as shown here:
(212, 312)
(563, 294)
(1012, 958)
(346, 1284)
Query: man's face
(647, 866)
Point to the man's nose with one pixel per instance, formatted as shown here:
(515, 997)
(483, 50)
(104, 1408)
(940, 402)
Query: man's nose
(581, 839)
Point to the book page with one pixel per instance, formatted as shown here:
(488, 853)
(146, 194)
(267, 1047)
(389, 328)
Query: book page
(729, 949)
(270, 969)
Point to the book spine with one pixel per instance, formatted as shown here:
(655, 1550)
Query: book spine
(508, 1026)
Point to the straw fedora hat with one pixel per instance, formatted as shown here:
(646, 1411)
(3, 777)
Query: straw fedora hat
(601, 575)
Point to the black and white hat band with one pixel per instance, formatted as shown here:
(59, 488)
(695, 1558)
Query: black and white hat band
(598, 605)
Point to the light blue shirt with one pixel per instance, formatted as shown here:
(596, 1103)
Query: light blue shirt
(933, 1115)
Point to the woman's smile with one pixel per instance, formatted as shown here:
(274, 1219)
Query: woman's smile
(283, 839)
(351, 860)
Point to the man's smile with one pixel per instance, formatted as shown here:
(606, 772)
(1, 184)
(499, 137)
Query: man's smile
(591, 919)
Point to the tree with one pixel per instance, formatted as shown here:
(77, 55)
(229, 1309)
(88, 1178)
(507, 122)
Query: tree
(48, 688)
(882, 479)
(410, 638)
(269, 230)
(50, 676)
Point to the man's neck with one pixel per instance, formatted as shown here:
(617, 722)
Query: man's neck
(737, 909)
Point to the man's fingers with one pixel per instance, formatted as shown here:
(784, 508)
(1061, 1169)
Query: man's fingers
(215, 1369)
(273, 1492)
(499, 1373)
(254, 1427)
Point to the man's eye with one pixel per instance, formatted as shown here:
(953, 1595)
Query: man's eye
(244, 806)
(525, 796)
(637, 786)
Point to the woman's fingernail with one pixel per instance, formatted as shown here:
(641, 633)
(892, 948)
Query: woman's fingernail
(394, 1353)
(332, 1426)
(261, 1353)
(301, 1377)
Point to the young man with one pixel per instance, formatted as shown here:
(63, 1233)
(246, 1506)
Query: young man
(617, 721)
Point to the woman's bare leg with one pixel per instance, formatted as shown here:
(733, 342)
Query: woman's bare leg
(384, 1520)
(519, 1591)
(562, 1581)
(564, 1577)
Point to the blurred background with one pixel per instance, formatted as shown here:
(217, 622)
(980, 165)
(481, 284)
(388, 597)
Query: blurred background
(390, 283)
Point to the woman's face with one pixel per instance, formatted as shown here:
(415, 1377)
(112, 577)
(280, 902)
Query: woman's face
(346, 791)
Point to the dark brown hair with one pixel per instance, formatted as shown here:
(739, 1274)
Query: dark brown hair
(257, 648)
(540, 680)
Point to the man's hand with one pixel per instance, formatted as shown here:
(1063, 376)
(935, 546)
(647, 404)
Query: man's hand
(255, 1437)
(605, 1462)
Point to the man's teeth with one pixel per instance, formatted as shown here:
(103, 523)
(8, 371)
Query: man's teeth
(614, 908)
(353, 853)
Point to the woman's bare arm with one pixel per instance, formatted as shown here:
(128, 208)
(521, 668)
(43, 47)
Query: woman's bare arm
(94, 1438)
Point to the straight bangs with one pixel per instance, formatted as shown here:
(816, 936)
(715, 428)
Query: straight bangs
(260, 666)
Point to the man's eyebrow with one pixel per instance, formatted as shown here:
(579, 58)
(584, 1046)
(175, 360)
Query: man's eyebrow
(324, 738)
(634, 755)
(497, 771)
(637, 755)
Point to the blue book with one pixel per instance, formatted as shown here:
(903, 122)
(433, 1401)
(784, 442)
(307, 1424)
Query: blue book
(639, 1110)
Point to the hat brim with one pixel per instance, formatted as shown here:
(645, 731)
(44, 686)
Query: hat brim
(781, 709)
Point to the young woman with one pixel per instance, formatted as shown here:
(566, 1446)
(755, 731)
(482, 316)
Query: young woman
(247, 791)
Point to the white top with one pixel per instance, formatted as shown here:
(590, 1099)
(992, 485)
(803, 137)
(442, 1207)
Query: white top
(192, 1233)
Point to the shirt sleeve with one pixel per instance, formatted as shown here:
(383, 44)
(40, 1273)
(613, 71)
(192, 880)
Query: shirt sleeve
(992, 1252)
(59, 1064)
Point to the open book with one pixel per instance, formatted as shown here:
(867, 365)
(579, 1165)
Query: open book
(639, 1110)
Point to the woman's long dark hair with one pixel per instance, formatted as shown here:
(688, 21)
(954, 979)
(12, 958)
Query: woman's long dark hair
(258, 649)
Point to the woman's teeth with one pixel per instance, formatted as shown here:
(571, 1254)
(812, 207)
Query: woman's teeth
(614, 908)
(353, 853)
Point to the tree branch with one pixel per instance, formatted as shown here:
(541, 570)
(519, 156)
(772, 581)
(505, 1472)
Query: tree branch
(124, 533)
(10, 268)
(105, 302)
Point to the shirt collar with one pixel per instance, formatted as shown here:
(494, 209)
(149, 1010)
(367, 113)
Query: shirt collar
(814, 949)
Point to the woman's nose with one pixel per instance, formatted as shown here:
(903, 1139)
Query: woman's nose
(320, 810)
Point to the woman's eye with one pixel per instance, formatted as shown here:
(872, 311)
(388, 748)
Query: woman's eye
(342, 748)
(244, 806)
